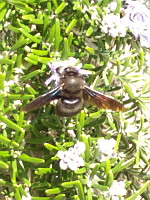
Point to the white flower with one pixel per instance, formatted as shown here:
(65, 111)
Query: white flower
(33, 27)
(63, 165)
(3, 125)
(94, 13)
(71, 133)
(15, 154)
(73, 165)
(27, 196)
(70, 130)
(18, 70)
(16, 79)
(116, 190)
(92, 180)
(79, 147)
(106, 148)
(58, 68)
(71, 159)
(59, 63)
(112, 25)
(137, 19)
(17, 102)
(112, 6)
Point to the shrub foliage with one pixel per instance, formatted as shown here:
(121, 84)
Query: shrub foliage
(36, 32)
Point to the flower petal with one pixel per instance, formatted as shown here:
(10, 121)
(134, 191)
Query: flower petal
(63, 165)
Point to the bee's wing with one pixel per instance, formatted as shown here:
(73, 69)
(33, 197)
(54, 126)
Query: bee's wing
(43, 99)
(102, 101)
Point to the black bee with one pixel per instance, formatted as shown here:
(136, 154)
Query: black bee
(71, 93)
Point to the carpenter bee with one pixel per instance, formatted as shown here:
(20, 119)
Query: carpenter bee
(71, 93)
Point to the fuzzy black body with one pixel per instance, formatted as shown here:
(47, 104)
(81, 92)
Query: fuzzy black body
(71, 93)
(71, 96)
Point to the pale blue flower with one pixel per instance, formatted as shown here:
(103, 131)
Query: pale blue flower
(137, 19)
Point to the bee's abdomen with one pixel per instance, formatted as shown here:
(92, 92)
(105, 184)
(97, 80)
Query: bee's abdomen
(67, 107)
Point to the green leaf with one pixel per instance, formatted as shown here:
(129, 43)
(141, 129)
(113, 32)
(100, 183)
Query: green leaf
(27, 158)
(28, 17)
(2, 79)
(29, 60)
(42, 171)
(50, 147)
(127, 88)
(5, 153)
(36, 21)
(28, 35)
(71, 25)
(122, 165)
(139, 192)
(42, 198)
(55, 3)
(61, 7)
(84, 139)
(76, 184)
(30, 75)
(89, 31)
(81, 170)
(8, 142)
(58, 37)
(60, 197)
(20, 97)
(10, 124)
(90, 50)
(119, 5)
(100, 187)
(65, 50)
(5, 183)
(31, 90)
(3, 10)
(14, 171)
(19, 44)
(6, 61)
(3, 165)
(2, 5)
(54, 191)
(39, 52)
(22, 6)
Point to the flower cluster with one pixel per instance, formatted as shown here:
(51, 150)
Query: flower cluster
(116, 190)
(58, 68)
(111, 23)
(106, 148)
(137, 19)
(113, 26)
(72, 158)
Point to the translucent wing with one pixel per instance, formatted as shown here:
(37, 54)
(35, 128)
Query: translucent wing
(43, 99)
(102, 101)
